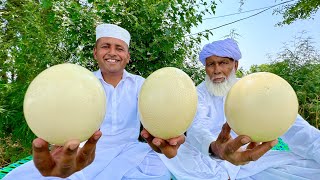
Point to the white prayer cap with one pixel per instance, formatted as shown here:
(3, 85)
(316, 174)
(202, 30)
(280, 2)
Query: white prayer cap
(114, 31)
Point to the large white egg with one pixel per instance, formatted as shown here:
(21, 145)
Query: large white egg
(64, 102)
(262, 106)
(167, 103)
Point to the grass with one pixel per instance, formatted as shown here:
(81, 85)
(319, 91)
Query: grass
(12, 151)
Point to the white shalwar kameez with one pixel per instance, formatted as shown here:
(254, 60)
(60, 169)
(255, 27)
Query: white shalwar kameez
(193, 161)
(119, 155)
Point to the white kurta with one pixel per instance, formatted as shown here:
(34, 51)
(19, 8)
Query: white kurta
(301, 162)
(119, 155)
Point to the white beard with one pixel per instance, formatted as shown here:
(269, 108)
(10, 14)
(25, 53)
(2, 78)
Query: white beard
(221, 89)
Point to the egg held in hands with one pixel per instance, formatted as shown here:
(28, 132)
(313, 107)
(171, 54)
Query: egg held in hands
(64, 102)
(167, 103)
(262, 106)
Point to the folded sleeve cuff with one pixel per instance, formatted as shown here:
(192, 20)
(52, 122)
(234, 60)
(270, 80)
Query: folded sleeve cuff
(206, 144)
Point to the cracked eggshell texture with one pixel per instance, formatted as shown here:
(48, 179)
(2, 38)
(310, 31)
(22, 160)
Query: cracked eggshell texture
(261, 105)
(64, 102)
(167, 103)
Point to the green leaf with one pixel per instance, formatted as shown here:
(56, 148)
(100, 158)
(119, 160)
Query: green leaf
(46, 4)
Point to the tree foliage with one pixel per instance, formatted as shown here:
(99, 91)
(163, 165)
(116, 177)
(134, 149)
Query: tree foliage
(38, 34)
(301, 9)
(292, 10)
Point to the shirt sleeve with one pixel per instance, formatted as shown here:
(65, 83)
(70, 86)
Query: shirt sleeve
(199, 134)
(303, 139)
(139, 81)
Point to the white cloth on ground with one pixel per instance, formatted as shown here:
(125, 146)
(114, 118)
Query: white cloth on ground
(119, 155)
(301, 162)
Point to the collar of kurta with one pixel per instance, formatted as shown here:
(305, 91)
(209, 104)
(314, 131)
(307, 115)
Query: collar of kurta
(124, 76)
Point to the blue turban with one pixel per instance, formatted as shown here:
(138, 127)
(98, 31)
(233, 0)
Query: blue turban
(223, 48)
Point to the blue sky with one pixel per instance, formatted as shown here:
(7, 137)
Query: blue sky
(258, 35)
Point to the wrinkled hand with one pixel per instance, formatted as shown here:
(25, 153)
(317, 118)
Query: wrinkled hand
(230, 149)
(167, 147)
(63, 161)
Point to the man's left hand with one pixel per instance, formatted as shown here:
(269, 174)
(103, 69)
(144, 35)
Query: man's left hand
(167, 147)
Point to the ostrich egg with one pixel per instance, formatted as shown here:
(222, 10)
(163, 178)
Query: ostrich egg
(64, 102)
(262, 106)
(167, 103)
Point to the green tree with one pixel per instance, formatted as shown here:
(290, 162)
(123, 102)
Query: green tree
(301, 9)
(293, 10)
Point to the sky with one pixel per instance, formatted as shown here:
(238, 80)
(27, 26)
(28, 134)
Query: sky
(258, 35)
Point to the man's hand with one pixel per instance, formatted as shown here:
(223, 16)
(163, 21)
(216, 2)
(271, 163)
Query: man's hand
(167, 147)
(65, 160)
(229, 149)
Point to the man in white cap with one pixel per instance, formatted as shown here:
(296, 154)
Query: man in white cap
(118, 154)
(213, 151)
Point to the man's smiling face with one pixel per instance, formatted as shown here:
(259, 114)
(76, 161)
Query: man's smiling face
(112, 55)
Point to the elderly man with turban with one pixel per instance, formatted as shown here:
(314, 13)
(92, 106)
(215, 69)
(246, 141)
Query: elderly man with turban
(213, 151)
(118, 154)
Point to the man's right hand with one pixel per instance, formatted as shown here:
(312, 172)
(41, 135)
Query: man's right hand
(230, 149)
(63, 161)
(168, 147)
